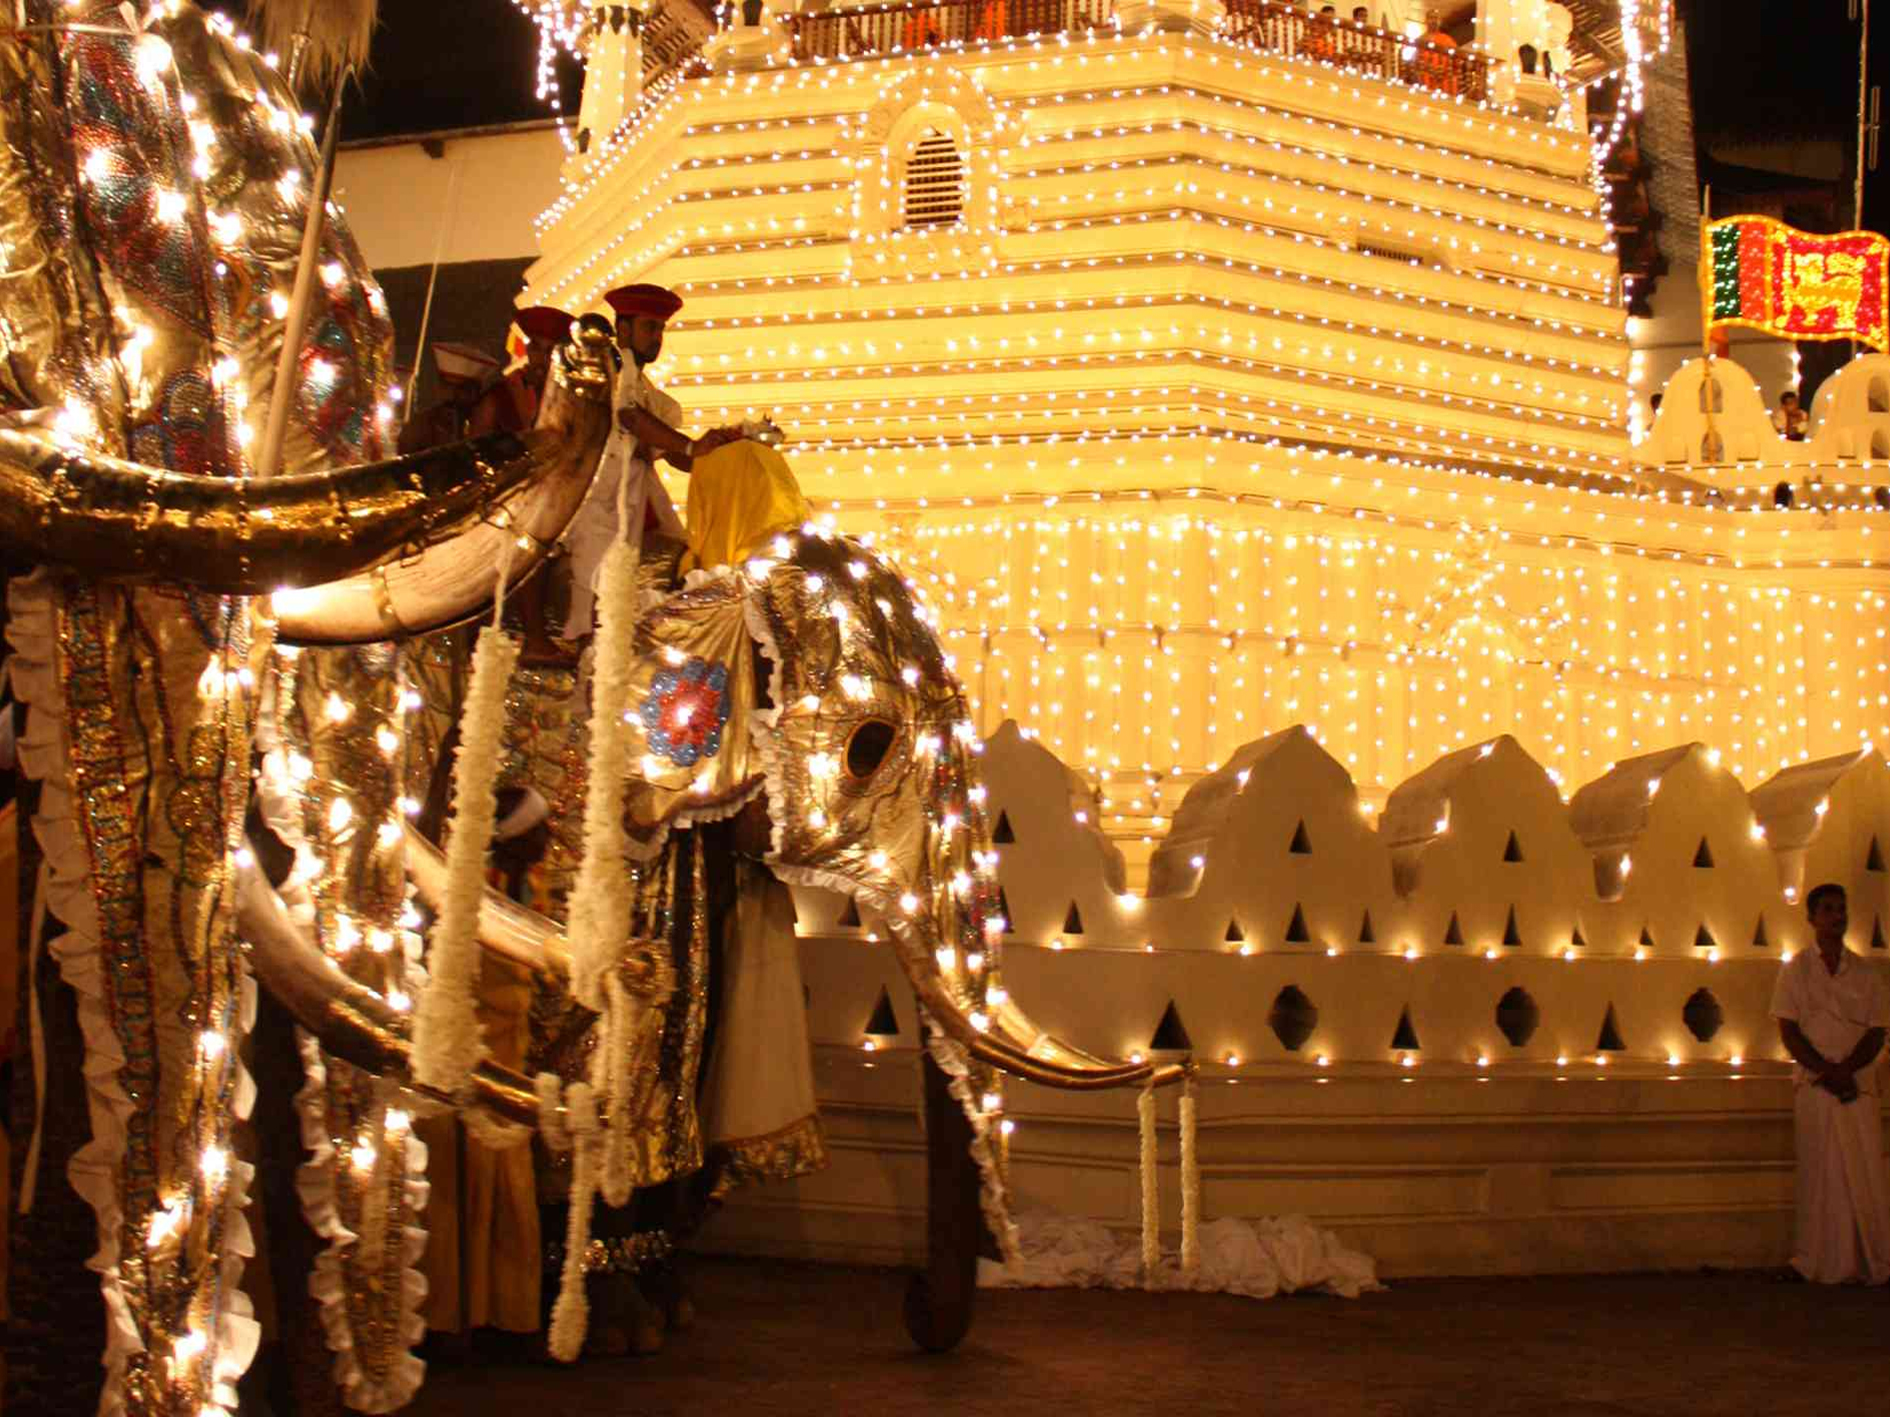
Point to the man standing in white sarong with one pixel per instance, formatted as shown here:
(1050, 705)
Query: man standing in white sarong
(1832, 1010)
(645, 428)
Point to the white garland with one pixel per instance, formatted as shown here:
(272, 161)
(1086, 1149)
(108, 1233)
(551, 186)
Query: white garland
(447, 1039)
(1151, 1195)
(571, 1315)
(1190, 1183)
(600, 901)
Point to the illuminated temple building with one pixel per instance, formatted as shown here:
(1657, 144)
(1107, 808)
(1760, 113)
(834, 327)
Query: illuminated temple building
(1252, 400)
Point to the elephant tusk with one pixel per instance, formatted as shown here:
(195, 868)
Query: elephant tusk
(350, 1020)
(451, 580)
(506, 928)
(107, 518)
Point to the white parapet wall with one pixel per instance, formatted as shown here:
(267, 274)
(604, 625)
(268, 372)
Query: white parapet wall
(1527, 1058)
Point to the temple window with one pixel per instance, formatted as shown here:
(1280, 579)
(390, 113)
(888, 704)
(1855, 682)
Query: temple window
(934, 193)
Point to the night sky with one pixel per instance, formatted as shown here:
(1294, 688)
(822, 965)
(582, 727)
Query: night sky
(1760, 67)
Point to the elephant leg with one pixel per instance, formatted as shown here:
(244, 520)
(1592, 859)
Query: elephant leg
(296, 1370)
(56, 1324)
(939, 1298)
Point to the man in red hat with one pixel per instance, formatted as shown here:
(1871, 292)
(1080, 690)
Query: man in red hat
(511, 405)
(647, 428)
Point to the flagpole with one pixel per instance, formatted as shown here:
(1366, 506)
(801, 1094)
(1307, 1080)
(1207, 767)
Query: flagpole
(1706, 308)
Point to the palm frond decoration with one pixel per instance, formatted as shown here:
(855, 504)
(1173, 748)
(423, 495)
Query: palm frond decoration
(332, 35)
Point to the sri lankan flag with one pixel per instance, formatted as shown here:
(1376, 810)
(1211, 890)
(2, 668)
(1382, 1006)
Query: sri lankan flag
(1797, 285)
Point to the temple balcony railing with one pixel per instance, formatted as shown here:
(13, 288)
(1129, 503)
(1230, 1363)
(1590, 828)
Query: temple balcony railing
(1264, 25)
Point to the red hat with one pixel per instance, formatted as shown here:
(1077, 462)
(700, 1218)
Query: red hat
(545, 324)
(651, 300)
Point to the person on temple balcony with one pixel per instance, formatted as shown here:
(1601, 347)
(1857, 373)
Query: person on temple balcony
(740, 491)
(1832, 1010)
(1435, 67)
(464, 370)
(1790, 419)
(511, 405)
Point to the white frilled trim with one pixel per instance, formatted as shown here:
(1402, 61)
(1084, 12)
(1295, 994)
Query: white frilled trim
(955, 1061)
(315, 1185)
(1190, 1182)
(570, 1316)
(447, 1039)
(44, 755)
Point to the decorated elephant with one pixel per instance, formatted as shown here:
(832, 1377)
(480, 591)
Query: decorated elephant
(212, 645)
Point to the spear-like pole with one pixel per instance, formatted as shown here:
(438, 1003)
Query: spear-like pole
(295, 323)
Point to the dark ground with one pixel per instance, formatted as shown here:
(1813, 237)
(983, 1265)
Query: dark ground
(782, 1339)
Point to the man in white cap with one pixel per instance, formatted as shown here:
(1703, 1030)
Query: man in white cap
(464, 370)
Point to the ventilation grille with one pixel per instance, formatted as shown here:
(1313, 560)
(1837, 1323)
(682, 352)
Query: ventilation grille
(935, 183)
(1386, 252)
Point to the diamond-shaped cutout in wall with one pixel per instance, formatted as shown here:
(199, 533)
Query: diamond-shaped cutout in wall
(1296, 931)
(1702, 1015)
(1873, 860)
(1001, 834)
(1511, 935)
(1366, 935)
(1406, 1036)
(1703, 856)
(1512, 849)
(1302, 844)
(850, 915)
(1453, 932)
(1760, 940)
(1234, 935)
(1517, 1017)
(1292, 1018)
(1073, 922)
(1610, 1039)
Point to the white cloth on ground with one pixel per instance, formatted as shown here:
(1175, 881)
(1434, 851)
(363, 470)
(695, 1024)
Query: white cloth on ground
(594, 527)
(1842, 1221)
(1257, 1258)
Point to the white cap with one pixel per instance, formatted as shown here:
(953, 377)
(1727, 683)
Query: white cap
(531, 810)
(463, 361)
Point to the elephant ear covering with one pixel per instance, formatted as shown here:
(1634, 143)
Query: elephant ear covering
(692, 700)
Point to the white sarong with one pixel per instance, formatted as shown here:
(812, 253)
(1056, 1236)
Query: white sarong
(1842, 1230)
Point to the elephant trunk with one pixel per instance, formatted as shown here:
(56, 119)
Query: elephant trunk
(351, 1021)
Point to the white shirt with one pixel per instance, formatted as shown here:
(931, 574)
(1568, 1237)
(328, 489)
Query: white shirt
(1833, 1011)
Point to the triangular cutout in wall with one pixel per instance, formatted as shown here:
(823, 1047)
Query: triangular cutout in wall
(1512, 849)
(1296, 931)
(1876, 934)
(1001, 834)
(1170, 1035)
(1302, 844)
(1760, 940)
(1610, 1039)
(1647, 937)
(1406, 1036)
(1873, 860)
(884, 1023)
(1366, 935)
(1004, 909)
(1234, 935)
(850, 916)
(1511, 936)
(1453, 932)
(1576, 939)
(1703, 857)
(1073, 922)
(1703, 938)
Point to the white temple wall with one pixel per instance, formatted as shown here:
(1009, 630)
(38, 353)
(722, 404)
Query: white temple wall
(1631, 1123)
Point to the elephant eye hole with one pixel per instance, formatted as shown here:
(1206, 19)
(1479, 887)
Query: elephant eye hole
(867, 747)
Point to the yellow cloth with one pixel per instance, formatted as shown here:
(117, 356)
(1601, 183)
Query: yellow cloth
(739, 496)
(501, 1249)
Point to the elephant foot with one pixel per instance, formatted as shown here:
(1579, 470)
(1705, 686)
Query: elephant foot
(622, 1318)
(663, 1286)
